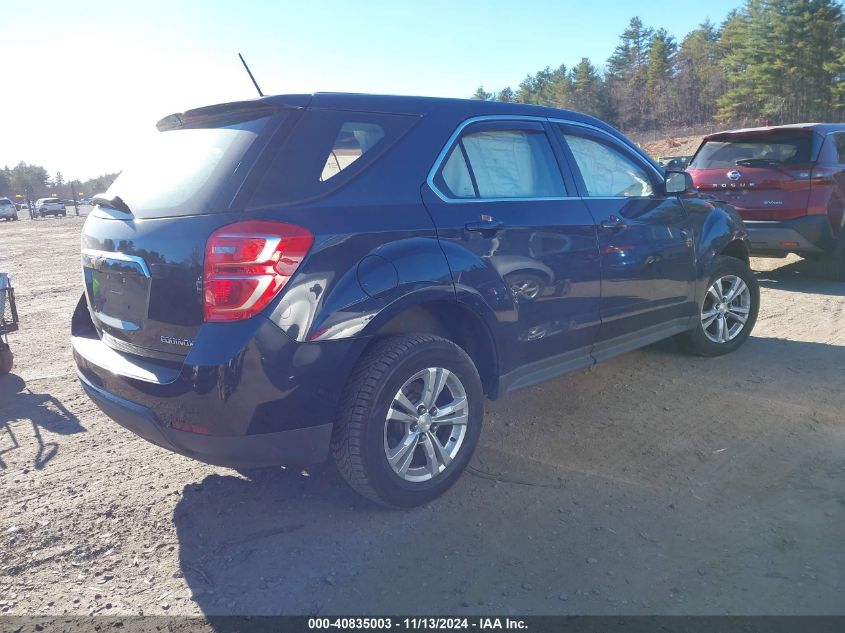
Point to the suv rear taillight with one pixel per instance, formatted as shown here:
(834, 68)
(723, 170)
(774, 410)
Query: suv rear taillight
(247, 264)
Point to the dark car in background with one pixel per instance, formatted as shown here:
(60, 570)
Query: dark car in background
(787, 182)
(300, 275)
(674, 163)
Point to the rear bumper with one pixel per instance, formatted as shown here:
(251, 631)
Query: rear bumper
(293, 447)
(246, 396)
(807, 235)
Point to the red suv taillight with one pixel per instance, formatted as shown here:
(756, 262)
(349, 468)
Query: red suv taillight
(247, 264)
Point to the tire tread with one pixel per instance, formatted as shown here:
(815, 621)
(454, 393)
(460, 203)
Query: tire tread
(356, 401)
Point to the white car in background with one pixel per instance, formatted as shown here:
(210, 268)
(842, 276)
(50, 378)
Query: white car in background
(8, 210)
(49, 206)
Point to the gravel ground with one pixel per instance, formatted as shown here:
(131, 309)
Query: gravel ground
(655, 483)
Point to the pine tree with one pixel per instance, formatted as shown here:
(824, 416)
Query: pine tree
(773, 61)
(506, 94)
(626, 74)
(700, 80)
(482, 94)
(588, 90)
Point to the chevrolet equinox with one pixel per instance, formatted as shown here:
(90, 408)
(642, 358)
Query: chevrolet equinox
(286, 278)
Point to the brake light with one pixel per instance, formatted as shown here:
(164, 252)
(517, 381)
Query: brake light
(247, 264)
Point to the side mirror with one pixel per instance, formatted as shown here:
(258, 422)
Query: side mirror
(678, 182)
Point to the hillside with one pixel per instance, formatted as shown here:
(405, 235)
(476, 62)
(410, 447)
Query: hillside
(672, 146)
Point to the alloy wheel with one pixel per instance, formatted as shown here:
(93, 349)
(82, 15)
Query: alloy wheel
(726, 308)
(426, 424)
(525, 289)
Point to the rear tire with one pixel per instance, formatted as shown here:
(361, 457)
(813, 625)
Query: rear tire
(388, 420)
(709, 338)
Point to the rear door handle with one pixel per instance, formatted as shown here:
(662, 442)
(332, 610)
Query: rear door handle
(487, 224)
(614, 223)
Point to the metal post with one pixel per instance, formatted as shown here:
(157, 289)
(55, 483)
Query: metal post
(73, 195)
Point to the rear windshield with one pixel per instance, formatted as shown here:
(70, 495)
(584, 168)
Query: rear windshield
(325, 150)
(752, 151)
(5, 202)
(180, 171)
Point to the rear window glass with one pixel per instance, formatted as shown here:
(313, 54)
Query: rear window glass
(767, 149)
(325, 150)
(180, 171)
(5, 202)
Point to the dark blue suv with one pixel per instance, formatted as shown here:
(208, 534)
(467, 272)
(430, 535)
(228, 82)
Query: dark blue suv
(281, 279)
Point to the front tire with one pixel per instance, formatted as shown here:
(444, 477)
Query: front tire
(409, 420)
(728, 312)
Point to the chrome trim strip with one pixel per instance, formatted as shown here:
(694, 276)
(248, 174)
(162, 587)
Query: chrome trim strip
(451, 141)
(114, 322)
(271, 243)
(515, 117)
(97, 256)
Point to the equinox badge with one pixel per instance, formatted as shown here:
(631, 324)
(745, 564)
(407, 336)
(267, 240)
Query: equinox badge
(174, 340)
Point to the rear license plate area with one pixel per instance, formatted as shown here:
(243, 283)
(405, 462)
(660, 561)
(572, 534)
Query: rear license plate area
(118, 290)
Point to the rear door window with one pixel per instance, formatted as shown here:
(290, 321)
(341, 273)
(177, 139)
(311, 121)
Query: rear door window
(758, 151)
(501, 160)
(325, 150)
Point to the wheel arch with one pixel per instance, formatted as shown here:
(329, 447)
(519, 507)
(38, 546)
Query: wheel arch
(454, 321)
(737, 248)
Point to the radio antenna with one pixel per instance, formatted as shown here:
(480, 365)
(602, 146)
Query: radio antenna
(249, 72)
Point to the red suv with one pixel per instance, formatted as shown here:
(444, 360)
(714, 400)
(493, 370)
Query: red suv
(787, 182)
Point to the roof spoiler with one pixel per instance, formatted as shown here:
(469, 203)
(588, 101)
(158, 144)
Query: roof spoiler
(229, 113)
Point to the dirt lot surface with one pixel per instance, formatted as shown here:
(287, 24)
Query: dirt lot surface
(674, 146)
(653, 483)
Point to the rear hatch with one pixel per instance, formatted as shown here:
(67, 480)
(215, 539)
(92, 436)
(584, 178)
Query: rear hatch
(143, 244)
(765, 174)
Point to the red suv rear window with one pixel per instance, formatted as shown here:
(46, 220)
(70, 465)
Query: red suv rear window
(794, 148)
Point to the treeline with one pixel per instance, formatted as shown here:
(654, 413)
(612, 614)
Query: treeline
(770, 62)
(33, 182)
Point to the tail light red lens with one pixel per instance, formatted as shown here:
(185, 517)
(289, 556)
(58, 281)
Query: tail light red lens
(247, 264)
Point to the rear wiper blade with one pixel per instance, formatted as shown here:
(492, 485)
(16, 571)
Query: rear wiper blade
(750, 162)
(116, 203)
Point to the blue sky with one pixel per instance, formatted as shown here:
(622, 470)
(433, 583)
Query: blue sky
(113, 68)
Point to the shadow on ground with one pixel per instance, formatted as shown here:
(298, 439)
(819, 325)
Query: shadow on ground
(704, 509)
(19, 406)
(804, 275)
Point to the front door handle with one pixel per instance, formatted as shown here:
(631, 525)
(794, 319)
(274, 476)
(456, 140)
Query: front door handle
(613, 223)
(487, 224)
